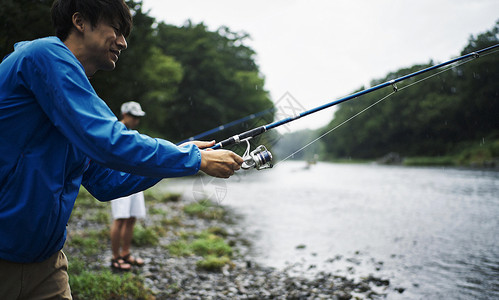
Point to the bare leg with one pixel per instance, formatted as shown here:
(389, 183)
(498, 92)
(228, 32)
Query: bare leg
(127, 235)
(116, 229)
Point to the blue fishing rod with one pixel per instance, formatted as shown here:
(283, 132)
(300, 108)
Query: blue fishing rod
(261, 158)
(228, 125)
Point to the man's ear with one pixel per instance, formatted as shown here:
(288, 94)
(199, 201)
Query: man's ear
(78, 22)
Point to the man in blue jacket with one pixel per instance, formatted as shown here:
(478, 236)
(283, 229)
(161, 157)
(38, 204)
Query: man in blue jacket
(57, 134)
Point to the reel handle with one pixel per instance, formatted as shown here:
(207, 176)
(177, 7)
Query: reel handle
(260, 158)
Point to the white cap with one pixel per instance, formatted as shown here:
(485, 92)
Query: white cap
(132, 108)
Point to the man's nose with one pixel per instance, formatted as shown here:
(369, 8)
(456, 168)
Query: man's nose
(121, 41)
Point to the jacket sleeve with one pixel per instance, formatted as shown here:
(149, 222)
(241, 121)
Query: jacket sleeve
(63, 91)
(106, 184)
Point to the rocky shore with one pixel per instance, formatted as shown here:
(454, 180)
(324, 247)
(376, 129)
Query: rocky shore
(170, 276)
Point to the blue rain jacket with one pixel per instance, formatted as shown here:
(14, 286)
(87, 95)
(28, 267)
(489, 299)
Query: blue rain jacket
(56, 134)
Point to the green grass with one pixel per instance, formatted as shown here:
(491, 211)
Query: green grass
(204, 209)
(90, 242)
(103, 285)
(214, 251)
(179, 248)
(213, 262)
(153, 196)
(100, 217)
(89, 280)
(86, 200)
(477, 155)
(174, 221)
(210, 244)
(157, 211)
(145, 236)
(430, 161)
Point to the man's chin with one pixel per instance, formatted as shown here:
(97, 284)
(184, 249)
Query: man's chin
(109, 67)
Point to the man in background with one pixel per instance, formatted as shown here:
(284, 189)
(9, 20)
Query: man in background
(126, 210)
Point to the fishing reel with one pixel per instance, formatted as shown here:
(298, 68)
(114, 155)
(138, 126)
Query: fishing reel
(260, 158)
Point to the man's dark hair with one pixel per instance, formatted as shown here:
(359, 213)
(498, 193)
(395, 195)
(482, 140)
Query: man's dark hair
(94, 11)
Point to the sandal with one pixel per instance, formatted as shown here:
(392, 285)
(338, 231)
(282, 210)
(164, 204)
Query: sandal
(129, 259)
(119, 264)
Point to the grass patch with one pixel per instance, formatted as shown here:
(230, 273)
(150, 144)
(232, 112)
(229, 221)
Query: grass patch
(204, 209)
(86, 200)
(213, 249)
(90, 242)
(430, 161)
(213, 262)
(145, 236)
(106, 285)
(211, 244)
(174, 221)
(100, 217)
(157, 211)
(151, 195)
(180, 248)
(479, 155)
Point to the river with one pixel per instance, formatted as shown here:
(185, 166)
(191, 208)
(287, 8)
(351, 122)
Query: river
(433, 232)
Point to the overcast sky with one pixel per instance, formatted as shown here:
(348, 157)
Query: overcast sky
(319, 51)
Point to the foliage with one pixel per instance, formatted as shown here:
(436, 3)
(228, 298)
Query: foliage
(204, 209)
(221, 81)
(428, 119)
(430, 161)
(23, 20)
(101, 217)
(213, 262)
(144, 236)
(188, 79)
(211, 244)
(88, 278)
(213, 249)
(106, 285)
(89, 242)
(152, 195)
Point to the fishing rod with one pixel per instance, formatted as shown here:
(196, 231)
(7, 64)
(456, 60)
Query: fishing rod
(228, 125)
(261, 158)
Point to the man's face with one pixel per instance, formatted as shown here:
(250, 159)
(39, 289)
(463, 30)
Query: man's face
(130, 121)
(103, 45)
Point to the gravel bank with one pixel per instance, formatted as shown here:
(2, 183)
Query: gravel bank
(172, 277)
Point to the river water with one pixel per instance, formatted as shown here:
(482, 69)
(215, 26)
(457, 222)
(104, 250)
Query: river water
(433, 232)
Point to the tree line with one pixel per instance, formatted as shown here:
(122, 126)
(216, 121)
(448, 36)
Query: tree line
(439, 116)
(187, 78)
(190, 79)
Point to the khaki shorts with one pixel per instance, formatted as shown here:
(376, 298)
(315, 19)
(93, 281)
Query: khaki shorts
(43, 280)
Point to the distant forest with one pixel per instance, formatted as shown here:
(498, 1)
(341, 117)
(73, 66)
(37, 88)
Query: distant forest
(190, 79)
(444, 115)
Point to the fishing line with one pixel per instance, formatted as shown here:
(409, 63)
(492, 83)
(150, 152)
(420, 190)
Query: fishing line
(375, 103)
(336, 127)
(261, 158)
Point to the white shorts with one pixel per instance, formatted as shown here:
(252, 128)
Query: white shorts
(130, 206)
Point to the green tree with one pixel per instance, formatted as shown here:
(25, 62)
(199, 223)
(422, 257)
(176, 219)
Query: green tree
(23, 20)
(429, 119)
(221, 81)
(163, 75)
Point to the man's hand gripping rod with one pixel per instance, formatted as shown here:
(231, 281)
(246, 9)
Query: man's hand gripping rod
(260, 158)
